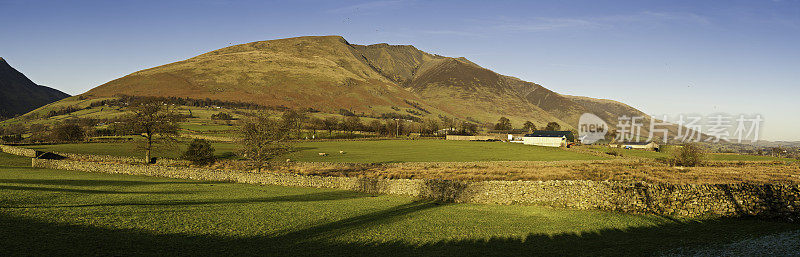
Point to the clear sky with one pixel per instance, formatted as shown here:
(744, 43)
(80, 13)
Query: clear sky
(663, 57)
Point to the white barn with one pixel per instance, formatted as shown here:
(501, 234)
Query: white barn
(548, 138)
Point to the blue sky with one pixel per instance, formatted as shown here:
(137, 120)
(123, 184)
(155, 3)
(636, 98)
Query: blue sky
(663, 57)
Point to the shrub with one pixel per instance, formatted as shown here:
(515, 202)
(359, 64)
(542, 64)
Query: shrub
(689, 155)
(345, 112)
(221, 116)
(614, 151)
(69, 132)
(199, 152)
(11, 138)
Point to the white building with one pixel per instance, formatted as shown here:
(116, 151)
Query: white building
(548, 138)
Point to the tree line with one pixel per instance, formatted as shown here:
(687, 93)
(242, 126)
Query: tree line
(504, 124)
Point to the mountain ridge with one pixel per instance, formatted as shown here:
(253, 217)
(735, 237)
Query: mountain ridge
(19, 95)
(329, 73)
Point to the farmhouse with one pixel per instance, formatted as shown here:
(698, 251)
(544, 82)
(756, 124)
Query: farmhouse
(637, 145)
(548, 138)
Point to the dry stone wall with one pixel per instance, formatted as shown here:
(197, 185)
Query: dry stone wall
(762, 200)
(122, 159)
(18, 151)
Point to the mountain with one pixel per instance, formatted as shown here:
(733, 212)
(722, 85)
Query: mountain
(19, 95)
(328, 73)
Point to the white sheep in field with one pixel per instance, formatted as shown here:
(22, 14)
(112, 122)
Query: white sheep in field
(342, 152)
(323, 154)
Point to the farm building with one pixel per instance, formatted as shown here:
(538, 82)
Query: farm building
(637, 145)
(509, 135)
(548, 138)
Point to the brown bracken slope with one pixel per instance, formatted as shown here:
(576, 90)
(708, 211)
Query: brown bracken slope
(328, 73)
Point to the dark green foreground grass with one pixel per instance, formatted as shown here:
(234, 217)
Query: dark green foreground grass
(52, 212)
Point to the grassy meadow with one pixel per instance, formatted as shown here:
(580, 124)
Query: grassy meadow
(75, 213)
(362, 151)
(667, 151)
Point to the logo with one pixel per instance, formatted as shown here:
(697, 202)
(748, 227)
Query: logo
(591, 128)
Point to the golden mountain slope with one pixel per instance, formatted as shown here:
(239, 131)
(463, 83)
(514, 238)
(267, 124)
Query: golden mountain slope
(328, 73)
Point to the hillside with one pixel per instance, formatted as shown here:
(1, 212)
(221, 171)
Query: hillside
(327, 73)
(19, 95)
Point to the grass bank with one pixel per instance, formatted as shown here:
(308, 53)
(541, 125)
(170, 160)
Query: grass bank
(667, 153)
(74, 213)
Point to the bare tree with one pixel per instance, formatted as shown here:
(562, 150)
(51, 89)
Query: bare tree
(155, 123)
(12, 133)
(377, 127)
(395, 127)
(352, 123)
(449, 124)
(316, 124)
(430, 126)
(68, 132)
(468, 128)
(331, 123)
(263, 139)
(294, 120)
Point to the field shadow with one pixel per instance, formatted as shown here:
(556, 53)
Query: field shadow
(25, 236)
(333, 229)
(86, 191)
(313, 197)
(97, 182)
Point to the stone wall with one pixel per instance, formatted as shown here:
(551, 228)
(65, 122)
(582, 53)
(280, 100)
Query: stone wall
(477, 138)
(122, 159)
(18, 151)
(770, 200)
(208, 138)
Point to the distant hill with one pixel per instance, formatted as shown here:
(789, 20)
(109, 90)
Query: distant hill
(327, 73)
(19, 95)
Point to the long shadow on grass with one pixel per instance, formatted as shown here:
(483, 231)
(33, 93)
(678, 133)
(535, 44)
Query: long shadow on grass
(313, 197)
(25, 236)
(97, 182)
(333, 229)
(86, 191)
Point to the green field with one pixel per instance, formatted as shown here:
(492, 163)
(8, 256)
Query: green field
(206, 127)
(43, 212)
(384, 151)
(430, 151)
(365, 151)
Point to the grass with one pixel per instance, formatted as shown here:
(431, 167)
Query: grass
(365, 151)
(743, 157)
(206, 127)
(429, 151)
(476, 161)
(74, 213)
(712, 156)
